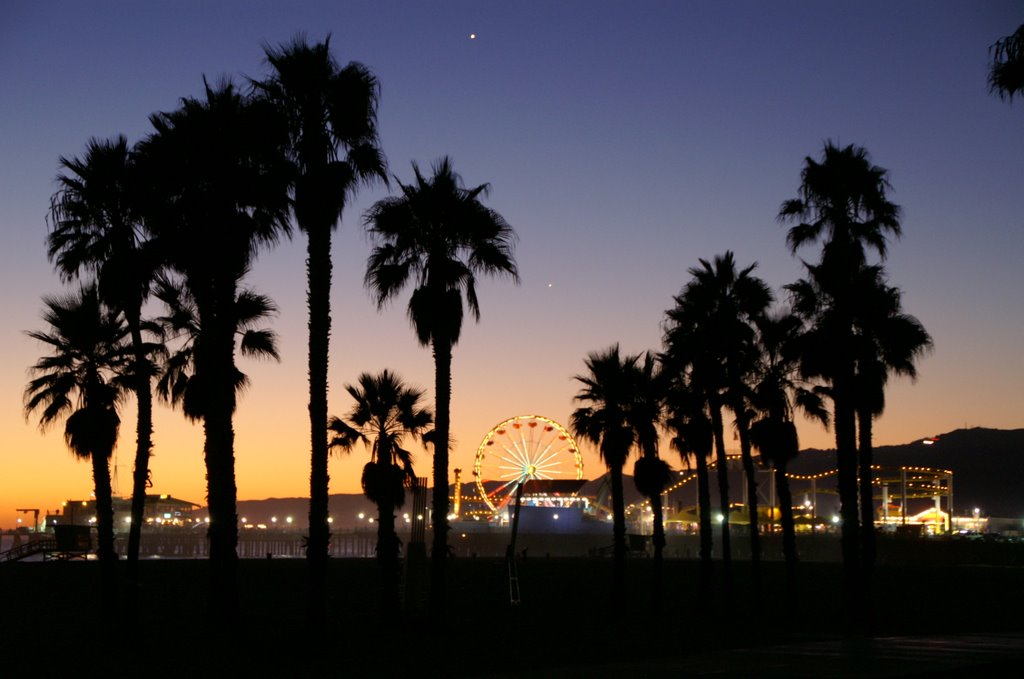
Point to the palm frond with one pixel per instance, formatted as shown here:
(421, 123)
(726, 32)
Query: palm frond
(1006, 70)
(437, 236)
(259, 344)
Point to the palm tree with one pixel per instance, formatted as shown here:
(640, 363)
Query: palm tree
(216, 183)
(709, 333)
(385, 411)
(609, 388)
(842, 201)
(1006, 72)
(181, 384)
(693, 438)
(437, 237)
(888, 342)
(741, 368)
(651, 474)
(774, 433)
(95, 228)
(79, 382)
(332, 125)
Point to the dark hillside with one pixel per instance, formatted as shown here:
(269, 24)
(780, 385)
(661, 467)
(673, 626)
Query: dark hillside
(987, 466)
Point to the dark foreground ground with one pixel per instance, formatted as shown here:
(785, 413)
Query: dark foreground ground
(931, 620)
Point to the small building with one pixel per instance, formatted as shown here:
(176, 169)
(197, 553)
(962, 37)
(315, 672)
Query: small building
(160, 509)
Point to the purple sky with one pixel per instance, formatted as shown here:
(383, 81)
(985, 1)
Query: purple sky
(623, 141)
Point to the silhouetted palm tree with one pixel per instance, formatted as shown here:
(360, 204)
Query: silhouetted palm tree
(774, 433)
(651, 474)
(385, 411)
(216, 183)
(741, 368)
(609, 386)
(776, 441)
(709, 334)
(1006, 72)
(843, 202)
(437, 237)
(96, 229)
(181, 383)
(78, 381)
(332, 122)
(693, 438)
(888, 342)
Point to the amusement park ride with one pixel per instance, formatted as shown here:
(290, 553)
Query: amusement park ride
(526, 448)
(538, 458)
(525, 455)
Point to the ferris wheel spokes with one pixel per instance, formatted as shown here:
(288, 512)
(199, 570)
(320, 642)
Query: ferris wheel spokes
(523, 448)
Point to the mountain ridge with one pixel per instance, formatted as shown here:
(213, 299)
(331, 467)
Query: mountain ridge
(987, 466)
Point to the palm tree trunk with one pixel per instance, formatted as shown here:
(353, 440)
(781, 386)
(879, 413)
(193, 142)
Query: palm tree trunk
(104, 506)
(442, 350)
(318, 266)
(658, 538)
(105, 532)
(143, 450)
(221, 501)
(788, 532)
(706, 530)
(750, 475)
(867, 507)
(723, 498)
(220, 471)
(846, 466)
(387, 561)
(618, 542)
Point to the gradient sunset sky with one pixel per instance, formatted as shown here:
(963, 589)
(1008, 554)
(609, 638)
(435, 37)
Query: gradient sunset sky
(623, 142)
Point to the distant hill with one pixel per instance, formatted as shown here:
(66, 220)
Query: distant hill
(987, 466)
(344, 509)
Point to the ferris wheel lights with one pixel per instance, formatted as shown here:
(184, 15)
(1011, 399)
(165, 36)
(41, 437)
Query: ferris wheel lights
(512, 454)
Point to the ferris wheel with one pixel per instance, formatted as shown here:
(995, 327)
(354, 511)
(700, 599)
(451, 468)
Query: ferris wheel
(522, 448)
